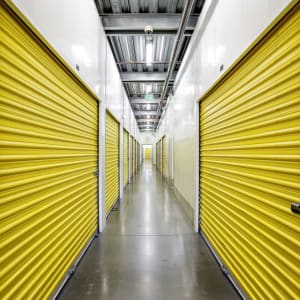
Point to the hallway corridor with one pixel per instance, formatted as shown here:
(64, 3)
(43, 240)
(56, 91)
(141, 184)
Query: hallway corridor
(148, 251)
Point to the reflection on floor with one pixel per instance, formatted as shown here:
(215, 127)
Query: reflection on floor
(148, 251)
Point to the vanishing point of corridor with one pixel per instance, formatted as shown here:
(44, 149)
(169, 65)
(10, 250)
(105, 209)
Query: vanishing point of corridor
(148, 251)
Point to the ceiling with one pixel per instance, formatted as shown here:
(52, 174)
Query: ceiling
(124, 22)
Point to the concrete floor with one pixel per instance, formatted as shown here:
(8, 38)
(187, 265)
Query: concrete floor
(148, 251)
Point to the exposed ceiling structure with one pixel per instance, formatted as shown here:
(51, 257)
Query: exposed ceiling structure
(148, 60)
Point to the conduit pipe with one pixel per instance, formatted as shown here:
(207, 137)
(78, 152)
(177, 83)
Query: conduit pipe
(189, 4)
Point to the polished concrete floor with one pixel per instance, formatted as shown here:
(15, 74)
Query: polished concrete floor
(148, 251)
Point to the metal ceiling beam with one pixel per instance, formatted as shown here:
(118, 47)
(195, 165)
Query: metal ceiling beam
(145, 113)
(143, 101)
(147, 120)
(146, 125)
(140, 32)
(134, 24)
(144, 120)
(132, 62)
(145, 76)
(138, 95)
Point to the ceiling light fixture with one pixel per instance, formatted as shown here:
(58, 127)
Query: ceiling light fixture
(149, 50)
(148, 117)
(148, 106)
(148, 88)
(149, 45)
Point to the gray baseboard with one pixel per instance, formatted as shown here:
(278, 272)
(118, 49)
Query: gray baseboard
(171, 182)
(185, 205)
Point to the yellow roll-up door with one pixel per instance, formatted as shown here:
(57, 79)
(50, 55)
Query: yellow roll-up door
(111, 162)
(125, 157)
(164, 158)
(250, 165)
(48, 153)
(147, 153)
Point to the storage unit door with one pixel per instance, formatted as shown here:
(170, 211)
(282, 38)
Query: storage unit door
(125, 157)
(111, 162)
(48, 150)
(164, 157)
(147, 153)
(250, 166)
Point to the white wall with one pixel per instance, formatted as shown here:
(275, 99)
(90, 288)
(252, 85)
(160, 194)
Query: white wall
(147, 138)
(224, 30)
(74, 29)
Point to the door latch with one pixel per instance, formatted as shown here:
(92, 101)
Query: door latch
(295, 208)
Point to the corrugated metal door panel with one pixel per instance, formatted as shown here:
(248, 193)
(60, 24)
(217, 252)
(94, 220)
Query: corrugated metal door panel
(147, 153)
(48, 206)
(164, 157)
(125, 157)
(111, 162)
(250, 166)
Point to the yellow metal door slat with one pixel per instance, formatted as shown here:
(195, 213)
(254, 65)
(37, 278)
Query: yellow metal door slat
(111, 162)
(125, 157)
(48, 152)
(250, 165)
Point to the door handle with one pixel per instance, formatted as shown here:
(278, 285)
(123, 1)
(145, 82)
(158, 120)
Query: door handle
(295, 208)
